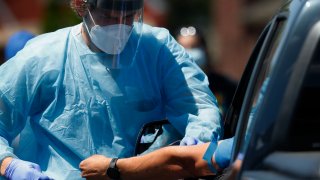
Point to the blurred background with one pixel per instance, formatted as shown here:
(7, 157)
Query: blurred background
(230, 27)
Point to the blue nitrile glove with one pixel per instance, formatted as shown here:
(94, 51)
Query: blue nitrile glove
(188, 141)
(223, 153)
(18, 169)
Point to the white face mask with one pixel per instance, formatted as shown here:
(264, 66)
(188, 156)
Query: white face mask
(110, 39)
(198, 56)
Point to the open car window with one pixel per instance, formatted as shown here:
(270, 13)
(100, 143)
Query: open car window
(231, 120)
(257, 83)
(261, 81)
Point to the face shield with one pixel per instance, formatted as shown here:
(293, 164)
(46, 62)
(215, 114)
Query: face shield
(114, 27)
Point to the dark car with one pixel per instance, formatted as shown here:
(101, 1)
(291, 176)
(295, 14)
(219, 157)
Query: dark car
(275, 114)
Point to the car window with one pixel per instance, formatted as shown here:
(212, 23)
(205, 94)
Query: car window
(231, 120)
(303, 132)
(260, 84)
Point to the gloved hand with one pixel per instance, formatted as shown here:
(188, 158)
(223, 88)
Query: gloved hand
(223, 153)
(18, 169)
(188, 141)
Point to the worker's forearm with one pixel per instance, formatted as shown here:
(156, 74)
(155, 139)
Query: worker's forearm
(6, 161)
(166, 163)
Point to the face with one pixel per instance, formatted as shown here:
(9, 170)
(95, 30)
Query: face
(108, 26)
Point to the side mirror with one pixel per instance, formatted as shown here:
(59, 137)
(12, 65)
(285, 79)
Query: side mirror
(155, 135)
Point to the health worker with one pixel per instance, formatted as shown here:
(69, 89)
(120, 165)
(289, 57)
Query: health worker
(90, 88)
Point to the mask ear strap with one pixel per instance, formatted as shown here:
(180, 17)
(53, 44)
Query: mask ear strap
(90, 16)
(85, 29)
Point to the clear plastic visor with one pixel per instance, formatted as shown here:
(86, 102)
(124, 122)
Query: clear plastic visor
(104, 17)
(115, 32)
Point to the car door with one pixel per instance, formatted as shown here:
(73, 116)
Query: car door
(293, 146)
(285, 140)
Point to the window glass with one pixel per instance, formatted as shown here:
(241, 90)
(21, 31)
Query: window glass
(231, 121)
(262, 80)
(304, 126)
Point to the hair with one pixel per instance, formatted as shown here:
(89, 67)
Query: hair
(78, 6)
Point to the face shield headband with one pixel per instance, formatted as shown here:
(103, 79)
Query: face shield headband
(119, 5)
(115, 27)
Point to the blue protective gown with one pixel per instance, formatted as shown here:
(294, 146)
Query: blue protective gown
(60, 103)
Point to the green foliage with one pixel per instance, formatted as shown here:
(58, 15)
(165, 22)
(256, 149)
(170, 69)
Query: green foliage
(59, 15)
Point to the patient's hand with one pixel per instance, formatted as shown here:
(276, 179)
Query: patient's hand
(95, 167)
